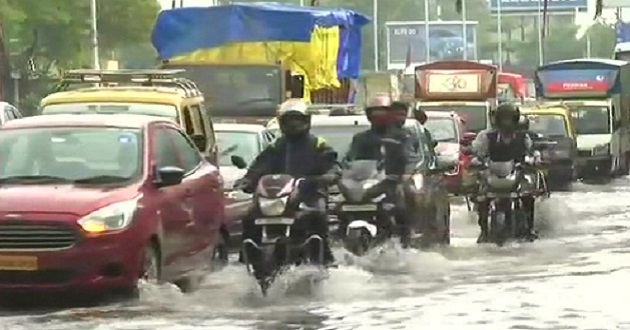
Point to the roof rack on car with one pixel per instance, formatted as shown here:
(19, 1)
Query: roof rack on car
(153, 77)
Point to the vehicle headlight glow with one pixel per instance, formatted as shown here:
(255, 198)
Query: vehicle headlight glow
(113, 217)
(272, 207)
(369, 183)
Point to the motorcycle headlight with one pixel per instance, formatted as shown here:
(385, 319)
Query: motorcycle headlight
(601, 149)
(369, 183)
(114, 217)
(418, 181)
(272, 207)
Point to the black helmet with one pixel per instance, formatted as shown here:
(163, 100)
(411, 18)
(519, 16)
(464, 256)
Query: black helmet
(523, 123)
(507, 115)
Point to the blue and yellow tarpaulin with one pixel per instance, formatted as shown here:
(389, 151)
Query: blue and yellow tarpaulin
(322, 44)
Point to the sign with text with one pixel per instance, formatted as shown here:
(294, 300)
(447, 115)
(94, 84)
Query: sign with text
(528, 7)
(406, 41)
(576, 81)
(446, 82)
(616, 4)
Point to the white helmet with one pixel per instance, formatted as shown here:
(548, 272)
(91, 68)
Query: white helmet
(294, 118)
(293, 105)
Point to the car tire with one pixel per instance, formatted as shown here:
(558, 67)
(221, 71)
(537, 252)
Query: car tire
(151, 272)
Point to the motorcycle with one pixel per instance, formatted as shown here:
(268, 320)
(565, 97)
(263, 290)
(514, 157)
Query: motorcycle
(284, 228)
(504, 184)
(363, 209)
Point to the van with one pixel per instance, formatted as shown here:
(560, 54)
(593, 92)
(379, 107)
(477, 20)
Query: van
(147, 92)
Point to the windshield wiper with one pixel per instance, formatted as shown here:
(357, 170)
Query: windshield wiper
(102, 179)
(256, 100)
(33, 179)
(228, 150)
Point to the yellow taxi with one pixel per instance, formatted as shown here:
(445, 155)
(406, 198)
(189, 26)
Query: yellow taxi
(554, 126)
(148, 92)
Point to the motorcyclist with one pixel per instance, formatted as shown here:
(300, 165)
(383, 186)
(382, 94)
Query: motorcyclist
(502, 143)
(300, 154)
(421, 117)
(388, 141)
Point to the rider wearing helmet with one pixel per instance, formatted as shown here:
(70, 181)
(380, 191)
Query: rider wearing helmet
(505, 142)
(388, 141)
(297, 153)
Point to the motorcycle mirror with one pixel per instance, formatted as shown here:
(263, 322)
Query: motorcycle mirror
(238, 161)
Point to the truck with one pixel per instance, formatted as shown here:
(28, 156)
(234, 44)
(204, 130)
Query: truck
(466, 87)
(597, 93)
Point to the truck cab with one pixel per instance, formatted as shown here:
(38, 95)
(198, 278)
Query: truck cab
(596, 93)
(465, 87)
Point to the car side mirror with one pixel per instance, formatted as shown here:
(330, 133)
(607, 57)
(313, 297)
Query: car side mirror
(238, 161)
(169, 176)
(199, 141)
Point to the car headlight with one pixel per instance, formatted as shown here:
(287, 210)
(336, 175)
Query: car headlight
(113, 217)
(601, 149)
(370, 183)
(272, 207)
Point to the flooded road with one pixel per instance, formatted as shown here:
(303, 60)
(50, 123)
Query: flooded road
(574, 277)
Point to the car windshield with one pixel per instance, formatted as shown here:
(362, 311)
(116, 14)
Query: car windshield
(339, 137)
(243, 144)
(64, 154)
(237, 90)
(442, 129)
(591, 120)
(151, 109)
(474, 116)
(548, 125)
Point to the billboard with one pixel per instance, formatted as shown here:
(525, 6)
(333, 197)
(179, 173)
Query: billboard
(577, 82)
(531, 7)
(616, 4)
(622, 49)
(406, 42)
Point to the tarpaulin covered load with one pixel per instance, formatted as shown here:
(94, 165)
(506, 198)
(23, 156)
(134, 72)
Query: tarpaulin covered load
(322, 44)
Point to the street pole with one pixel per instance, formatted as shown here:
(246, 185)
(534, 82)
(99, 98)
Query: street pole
(588, 43)
(465, 29)
(541, 60)
(500, 35)
(96, 64)
(302, 3)
(427, 44)
(375, 27)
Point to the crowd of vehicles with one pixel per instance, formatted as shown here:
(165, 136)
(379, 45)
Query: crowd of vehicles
(145, 108)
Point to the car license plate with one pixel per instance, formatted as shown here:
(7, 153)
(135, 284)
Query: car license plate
(359, 208)
(28, 263)
(274, 221)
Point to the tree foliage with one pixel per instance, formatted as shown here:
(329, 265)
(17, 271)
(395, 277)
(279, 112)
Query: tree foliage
(59, 30)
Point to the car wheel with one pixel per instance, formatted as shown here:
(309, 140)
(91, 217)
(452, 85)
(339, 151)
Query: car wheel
(151, 269)
(446, 238)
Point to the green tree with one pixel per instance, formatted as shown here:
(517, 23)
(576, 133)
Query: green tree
(60, 29)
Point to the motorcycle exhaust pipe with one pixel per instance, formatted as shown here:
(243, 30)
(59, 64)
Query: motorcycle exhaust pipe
(248, 243)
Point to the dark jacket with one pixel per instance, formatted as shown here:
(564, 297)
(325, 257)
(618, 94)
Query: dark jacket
(308, 156)
(401, 146)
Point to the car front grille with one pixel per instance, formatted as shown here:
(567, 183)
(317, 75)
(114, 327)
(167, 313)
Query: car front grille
(26, 236)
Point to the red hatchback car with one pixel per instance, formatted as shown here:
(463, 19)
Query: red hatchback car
(96, 202)
(449, 131)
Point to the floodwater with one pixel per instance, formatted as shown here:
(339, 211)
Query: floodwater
(574, 277)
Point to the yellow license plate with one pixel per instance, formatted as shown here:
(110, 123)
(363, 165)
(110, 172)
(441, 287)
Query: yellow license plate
(28, 263)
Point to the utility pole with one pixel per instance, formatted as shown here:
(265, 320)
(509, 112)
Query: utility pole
(96, 64)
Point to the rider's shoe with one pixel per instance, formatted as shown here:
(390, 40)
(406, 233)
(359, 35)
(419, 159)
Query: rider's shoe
(483, 237)
(531, 235)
